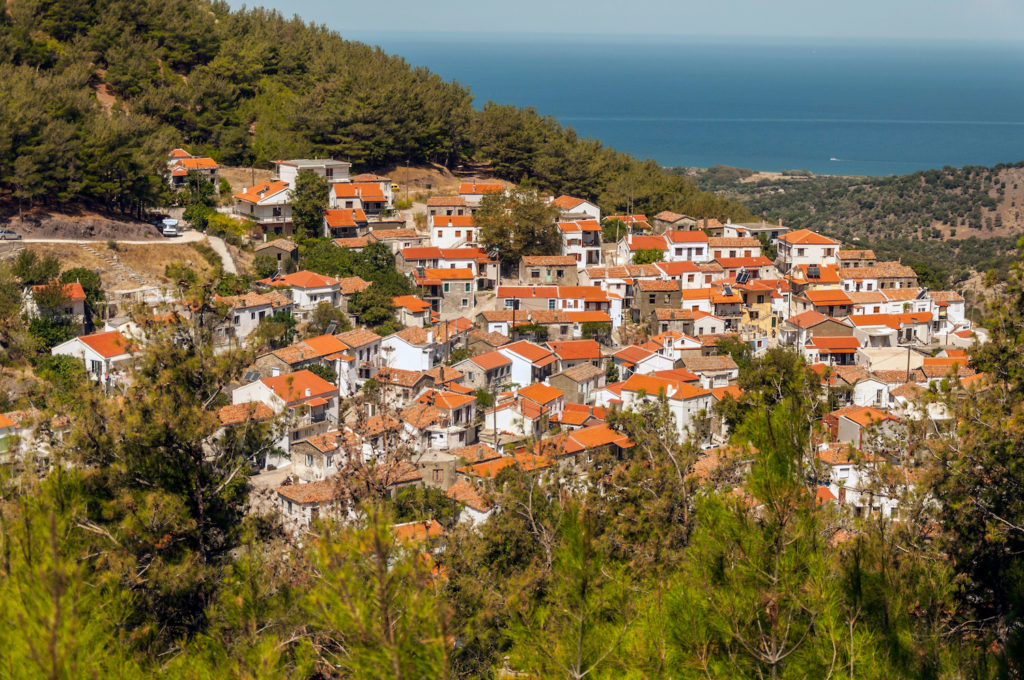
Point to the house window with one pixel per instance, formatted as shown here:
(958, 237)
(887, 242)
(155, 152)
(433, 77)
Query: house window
(509, 304)
(732, 253)
(276, 212)
(799, 252)
(348, 204)
(446, 287)
(465, 302)
(309, 460)
(437, 475)
(329, 173)
(563, 329)
(760, 299)
(559, 273)
(468, 287)
(651, 298)
(458, 233)
(689, 278)
(551, 303)
(439, 232)
(535, 274)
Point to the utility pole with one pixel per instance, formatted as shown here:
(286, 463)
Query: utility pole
(406, 180)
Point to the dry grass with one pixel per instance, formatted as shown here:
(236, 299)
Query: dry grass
(148, 261)
(242, 178)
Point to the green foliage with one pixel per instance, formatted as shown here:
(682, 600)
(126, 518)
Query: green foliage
(597, 330)
(34, 270)
(324, 315)
(611, 372)
(648, 256)
(376, 601)
(518, 223)
(275, 331)
(741, 352)
(224, 187)
(66, 373)
(197, 190)
(372, 307)
(428, 502)
(460, 354)
(324, 372)
(50, 331)
(537, 332)
(309, 201)
(198, 215)
(264, 266)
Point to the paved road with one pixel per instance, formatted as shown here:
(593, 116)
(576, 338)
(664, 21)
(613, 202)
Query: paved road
(190, 236)
(218, 245)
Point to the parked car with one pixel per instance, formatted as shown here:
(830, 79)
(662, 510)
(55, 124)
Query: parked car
(170, 227)
(8, 235)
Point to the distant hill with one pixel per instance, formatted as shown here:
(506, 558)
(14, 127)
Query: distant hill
(96, 90)
(952, 220)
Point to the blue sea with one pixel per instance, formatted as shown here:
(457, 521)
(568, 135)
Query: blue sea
(831, 107)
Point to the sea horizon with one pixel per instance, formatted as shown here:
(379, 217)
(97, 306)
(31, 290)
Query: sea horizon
(830, 106)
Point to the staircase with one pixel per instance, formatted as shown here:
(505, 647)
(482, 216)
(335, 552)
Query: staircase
(110, 259)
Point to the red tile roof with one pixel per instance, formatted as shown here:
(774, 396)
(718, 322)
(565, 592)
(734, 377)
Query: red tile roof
(109, 344)
(73, 292)
(635, 243)
(358, 337)
(480, 188)
(234, 414)
(345, 217)
(453, 221)
(300, 386)
(548, 260)
(257, 193)
(571, 350)
(301, 279)
(541, 393)
(446, 201)
(410, 302)
(324, 491)
(807, 237)
(490, 360)
(469, 495)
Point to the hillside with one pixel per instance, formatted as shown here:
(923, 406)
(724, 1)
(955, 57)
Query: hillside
(951, 220)
(98, 90)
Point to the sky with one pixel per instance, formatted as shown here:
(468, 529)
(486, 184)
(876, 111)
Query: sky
(960, 20)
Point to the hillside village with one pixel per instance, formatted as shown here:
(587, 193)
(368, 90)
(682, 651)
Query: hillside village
(491, 368)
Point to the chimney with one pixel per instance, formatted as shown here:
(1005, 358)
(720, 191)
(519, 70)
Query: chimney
(430, 337)
(309, 392)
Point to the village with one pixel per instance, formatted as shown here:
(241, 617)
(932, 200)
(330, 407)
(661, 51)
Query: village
(493, 368)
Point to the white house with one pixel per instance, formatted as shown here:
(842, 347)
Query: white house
(475, 508)
(308, 288)
(411, 349)
(530, 363)
(581, 240)
(451, 231)
(247, 311)
(804, 246)
(333, 171)
(267, 204)
(686, 402)
(473, 192)
(106, 356)
(635, 360)
(576, 207)
(687, 246)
